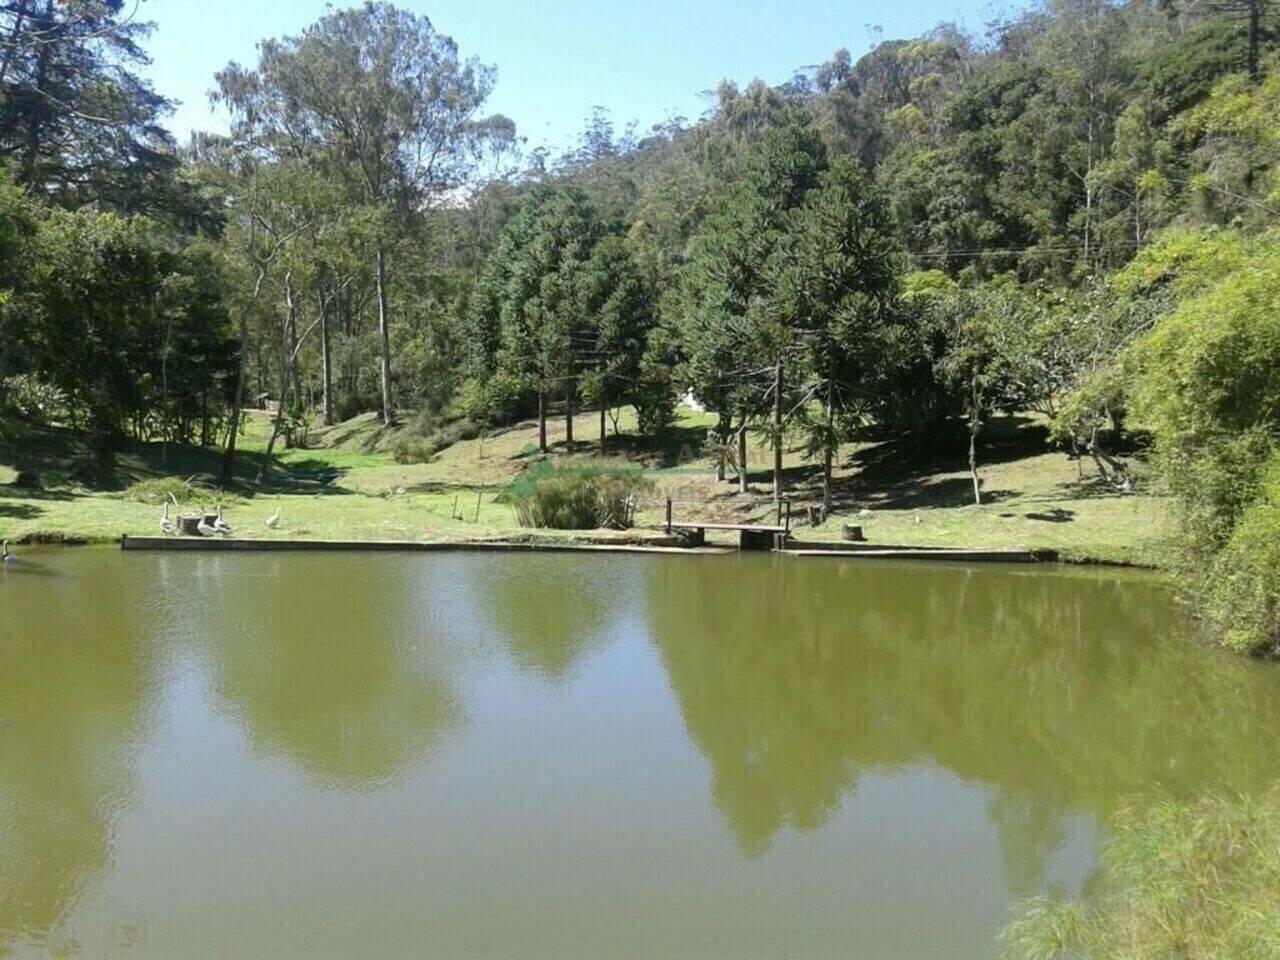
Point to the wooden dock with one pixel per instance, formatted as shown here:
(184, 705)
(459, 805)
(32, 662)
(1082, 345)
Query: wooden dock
(751, 536)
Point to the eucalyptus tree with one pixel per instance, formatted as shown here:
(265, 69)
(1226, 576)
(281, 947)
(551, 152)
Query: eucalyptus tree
(272, 206)
(382, 99)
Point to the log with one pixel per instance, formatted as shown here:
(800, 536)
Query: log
(853, 531)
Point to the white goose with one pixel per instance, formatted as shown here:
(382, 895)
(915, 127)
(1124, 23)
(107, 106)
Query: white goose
(207, 529)
(273, 521)
(167, 526)
(221, 525)
(6, 556)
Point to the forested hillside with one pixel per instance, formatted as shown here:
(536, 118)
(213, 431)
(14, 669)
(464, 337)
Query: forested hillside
(1072, 214)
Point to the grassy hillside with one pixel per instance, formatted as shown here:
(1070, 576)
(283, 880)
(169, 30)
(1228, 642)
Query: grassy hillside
(347, 485)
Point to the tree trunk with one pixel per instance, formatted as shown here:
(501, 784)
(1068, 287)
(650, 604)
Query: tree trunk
(287, 357)
(326, 363)
(31, 161)
(604, 404)
(11, 47)
(742, 457)
(237, 401)
(974, 424)
(570, 391)
(722, 438)
(828, 453)
(542, 418)
(384, 338)
(1255, 25)
(777, 431)
(295, 376)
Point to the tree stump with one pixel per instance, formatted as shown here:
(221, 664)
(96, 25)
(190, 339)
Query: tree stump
(188, 525)
(853, 532)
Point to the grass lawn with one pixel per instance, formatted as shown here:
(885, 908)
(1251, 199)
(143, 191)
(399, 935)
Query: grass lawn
(346, 485)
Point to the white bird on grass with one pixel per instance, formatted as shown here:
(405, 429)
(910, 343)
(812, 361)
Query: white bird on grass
(221, 525)
(274, 520)
(6, 556)
(206, 529)
(167, 526)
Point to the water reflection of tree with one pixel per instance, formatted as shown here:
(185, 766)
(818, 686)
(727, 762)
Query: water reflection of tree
(1060, 694)
(326, 664)
(77, 685)
(549, 610)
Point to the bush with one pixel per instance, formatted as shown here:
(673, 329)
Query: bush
(159, 490)
(1207, 385)
(1186, 880)
(411, 449)
(34, 399)
(28, 480)
(580, 498)
(424, 436)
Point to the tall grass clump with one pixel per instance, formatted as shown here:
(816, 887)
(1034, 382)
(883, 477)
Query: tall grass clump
(1195, 881)
(580, 498)
(160, 489)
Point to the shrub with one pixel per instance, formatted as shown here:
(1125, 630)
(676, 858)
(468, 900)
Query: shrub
(34, 399)
(580, 498)
(425, 436)
(1187, 880)
(28, 480)
(411, 449)
(1207, 384)
(158, 490)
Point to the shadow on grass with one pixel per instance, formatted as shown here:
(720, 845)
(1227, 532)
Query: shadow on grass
(64, 457)
(673, 447)
(20, 511)
(895, 474)
(1056, 515)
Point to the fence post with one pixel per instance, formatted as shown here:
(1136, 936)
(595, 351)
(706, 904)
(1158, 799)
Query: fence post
(668, 514)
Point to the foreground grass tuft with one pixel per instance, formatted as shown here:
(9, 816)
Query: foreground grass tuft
(1196, 881)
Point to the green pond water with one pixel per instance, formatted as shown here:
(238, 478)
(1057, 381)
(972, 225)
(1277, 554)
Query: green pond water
(581, 756)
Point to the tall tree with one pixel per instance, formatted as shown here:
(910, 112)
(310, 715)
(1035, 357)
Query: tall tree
(382, 97)
(736, 346)
(77, 122)
(835, 284)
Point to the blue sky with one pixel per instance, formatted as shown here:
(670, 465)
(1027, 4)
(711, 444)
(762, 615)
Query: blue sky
(645, 60)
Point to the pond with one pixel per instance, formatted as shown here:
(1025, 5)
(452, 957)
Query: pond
(487, 755)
